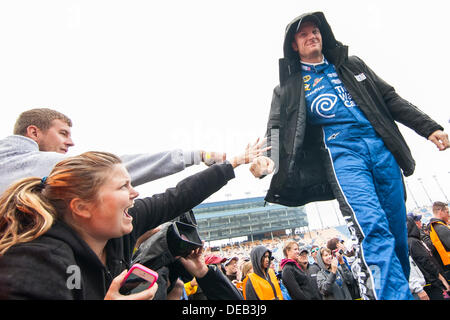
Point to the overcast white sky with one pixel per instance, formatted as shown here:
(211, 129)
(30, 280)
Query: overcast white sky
(146, 76)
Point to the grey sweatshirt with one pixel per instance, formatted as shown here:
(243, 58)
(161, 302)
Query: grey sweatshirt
(20, 158)
(334, 286)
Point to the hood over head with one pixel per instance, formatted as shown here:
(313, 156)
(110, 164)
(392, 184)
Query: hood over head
(413, 230)
(290, 63)
(256, 255)
(328, 40)
(320, 261)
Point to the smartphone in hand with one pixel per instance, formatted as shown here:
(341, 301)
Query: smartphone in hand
(138, 278)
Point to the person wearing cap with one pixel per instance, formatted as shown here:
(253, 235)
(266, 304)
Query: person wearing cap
(333, 135)
(294, 276)
(231, 269)
(217, 260)
(192, 288)
(303, 257)
(424, 234)
(417, 219)
(311, 268)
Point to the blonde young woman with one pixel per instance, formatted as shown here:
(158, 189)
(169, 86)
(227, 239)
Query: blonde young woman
(71, 235)
(298, 283)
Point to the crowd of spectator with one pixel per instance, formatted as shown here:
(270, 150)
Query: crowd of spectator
(73, 226)
(302, 267)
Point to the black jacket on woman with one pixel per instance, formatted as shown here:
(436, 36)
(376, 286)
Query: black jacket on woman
(298, 283)
(60, 265)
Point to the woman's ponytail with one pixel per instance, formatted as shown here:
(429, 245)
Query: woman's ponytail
(25, 213)
(30, 206)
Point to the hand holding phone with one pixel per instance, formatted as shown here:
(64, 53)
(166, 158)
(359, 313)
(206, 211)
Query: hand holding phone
(138, 278)
(113, 290)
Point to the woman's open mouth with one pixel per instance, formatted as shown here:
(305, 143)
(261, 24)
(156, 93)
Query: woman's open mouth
(125, 212)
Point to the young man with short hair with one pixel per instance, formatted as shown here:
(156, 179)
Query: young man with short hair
(440, 236)
(231, 268)
(42, 136)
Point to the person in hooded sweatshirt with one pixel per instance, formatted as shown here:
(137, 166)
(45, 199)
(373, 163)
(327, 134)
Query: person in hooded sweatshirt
(423, 257)
(70, 235)
(297, 281)
(42, 137)
(262, 283)
(334, 277)
(333, 132)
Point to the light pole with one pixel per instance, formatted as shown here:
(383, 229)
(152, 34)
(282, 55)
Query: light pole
(440, 188)
(420, 181)
(412, 195)
(335, 211)
(318, 212)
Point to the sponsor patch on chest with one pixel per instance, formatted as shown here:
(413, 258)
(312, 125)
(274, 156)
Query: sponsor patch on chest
(360, 77)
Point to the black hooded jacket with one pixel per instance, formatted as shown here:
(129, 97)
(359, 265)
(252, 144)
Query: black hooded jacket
(59, 265)
(304, 171)
(298, 282)
(422, 255)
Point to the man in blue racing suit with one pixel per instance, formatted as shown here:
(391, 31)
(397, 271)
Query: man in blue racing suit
(338, 117)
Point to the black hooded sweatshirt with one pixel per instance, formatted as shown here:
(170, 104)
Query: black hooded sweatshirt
(299, 284)
(59, 265)
(305, 172)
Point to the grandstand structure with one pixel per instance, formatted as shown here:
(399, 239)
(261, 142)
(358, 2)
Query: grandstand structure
(251, 217)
